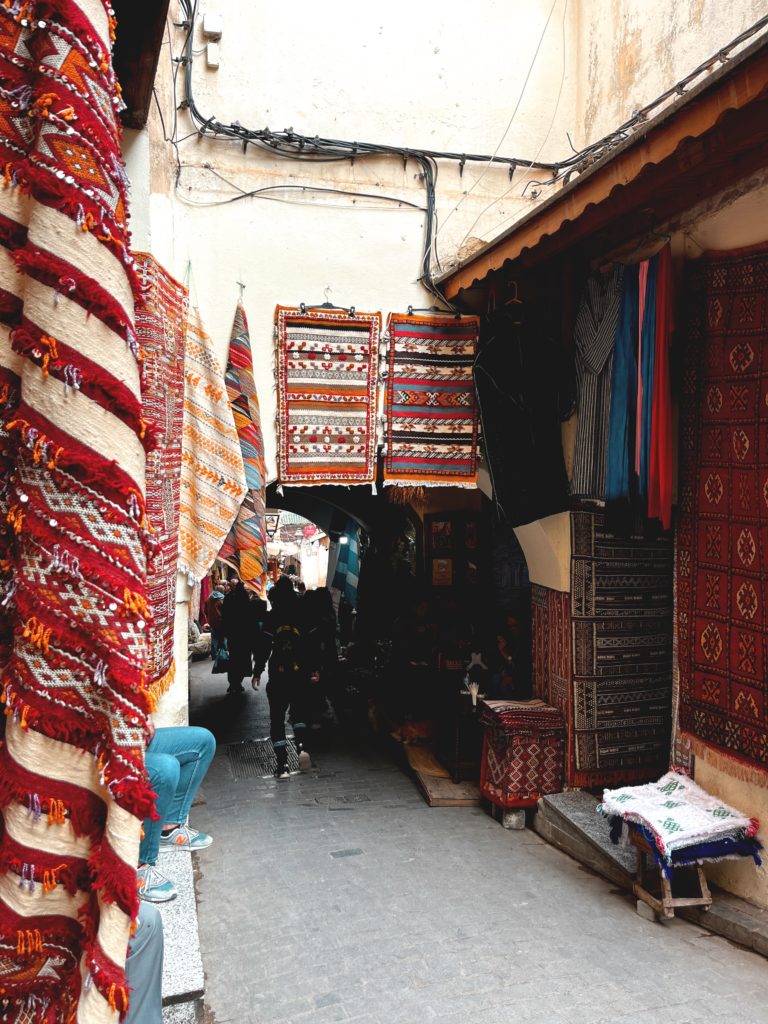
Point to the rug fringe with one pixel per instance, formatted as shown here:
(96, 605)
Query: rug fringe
(163, 684)
(416, 496)
(727, 763)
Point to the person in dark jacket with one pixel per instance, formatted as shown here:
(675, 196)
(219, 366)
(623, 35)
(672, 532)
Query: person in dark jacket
(240, 626)
(284, 642)
(321, 616)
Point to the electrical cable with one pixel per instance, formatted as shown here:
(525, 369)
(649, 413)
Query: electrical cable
(294, 146)
(514, 113)
(519, 182)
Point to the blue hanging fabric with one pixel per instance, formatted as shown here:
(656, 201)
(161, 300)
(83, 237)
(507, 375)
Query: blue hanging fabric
(621, 424)
(348, 565)
(648, 349)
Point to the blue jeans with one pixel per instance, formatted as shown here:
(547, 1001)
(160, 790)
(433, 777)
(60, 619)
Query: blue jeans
(216, 638)
(177, 760)
(144, 968)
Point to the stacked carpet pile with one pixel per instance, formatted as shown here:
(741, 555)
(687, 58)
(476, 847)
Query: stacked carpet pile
(523, 751)
(681, 822)
(75, 537)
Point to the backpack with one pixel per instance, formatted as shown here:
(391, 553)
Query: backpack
(286, 651)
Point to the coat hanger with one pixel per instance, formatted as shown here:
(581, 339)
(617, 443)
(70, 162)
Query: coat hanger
(514, 300)
(434, 309)
(303, 307)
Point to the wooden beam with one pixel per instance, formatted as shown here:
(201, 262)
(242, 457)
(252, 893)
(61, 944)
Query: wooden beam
(141, 25)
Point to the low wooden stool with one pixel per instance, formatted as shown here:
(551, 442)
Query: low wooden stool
(666, 907)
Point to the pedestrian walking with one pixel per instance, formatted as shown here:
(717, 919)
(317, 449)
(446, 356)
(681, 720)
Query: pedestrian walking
(284, 643)
(213, 609)
(321, 618)
(240, 627)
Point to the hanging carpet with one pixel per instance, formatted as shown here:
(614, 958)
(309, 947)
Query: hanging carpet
(327, 380)
(245, 548)
(721, 562)
(621, 608)
(161, 324)
(73, 789)
(213, 482)
(430, 410)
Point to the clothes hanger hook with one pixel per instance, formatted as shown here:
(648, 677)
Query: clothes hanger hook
(325, 293)
(242, 289)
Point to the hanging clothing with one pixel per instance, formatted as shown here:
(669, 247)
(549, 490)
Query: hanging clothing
(660, 458)
(593, 337)
(647, 361)
(348, 566)
(523, 394)
(622, 419)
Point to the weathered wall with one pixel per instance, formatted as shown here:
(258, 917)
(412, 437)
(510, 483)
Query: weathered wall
(631, 51)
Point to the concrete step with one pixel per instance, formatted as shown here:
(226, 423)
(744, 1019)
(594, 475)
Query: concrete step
(570, 822)
(183, 977)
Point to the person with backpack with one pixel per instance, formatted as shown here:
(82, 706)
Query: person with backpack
(284, 642)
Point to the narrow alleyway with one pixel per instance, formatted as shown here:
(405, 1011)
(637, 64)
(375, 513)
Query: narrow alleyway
(340, 896)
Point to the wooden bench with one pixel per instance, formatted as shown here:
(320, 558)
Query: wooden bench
(666, 906)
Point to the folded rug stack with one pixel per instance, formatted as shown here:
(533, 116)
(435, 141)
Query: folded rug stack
(522, 717)
(523, 752)
(681, 822)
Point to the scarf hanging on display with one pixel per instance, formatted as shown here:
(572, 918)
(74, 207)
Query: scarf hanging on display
(213, 482)
(73, 789)
(593, 338)
(721, 561)
(245, 548)
(161, 324)
(523, 395)
(622, 417)
(660, 457)
(639, 463)
(430, 411)
(345, 578)
(327, 379)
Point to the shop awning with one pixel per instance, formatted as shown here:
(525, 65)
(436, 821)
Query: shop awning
(709, 138)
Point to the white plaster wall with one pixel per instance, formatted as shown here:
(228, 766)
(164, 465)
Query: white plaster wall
(631, 51)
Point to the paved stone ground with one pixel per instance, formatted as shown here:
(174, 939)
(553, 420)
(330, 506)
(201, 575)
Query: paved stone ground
(381, 910)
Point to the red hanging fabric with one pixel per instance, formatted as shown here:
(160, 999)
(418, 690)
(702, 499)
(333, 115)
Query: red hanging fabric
(660, 468)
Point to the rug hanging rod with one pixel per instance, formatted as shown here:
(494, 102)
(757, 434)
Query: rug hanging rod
(433, 309)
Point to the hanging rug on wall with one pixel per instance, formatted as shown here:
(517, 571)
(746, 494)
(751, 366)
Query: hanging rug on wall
(430, 408)
(161, 325)
(212, 474)
(245, 547)
(721, 555)
(327, 379)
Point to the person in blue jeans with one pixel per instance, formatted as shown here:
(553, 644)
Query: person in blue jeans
(176, 759)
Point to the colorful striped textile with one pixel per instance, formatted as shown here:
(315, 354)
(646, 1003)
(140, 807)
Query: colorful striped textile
(431, 413)
(161, 326)
(327, 379)
(213, 483)
(245, 548)
(73, 789)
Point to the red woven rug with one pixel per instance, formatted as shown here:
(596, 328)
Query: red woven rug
(327, 380)
(161, 323)
(721, 560)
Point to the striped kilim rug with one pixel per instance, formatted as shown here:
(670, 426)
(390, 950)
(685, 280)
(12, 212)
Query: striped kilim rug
(161, 325)
(245, 548)
(73, 789)
(431, 413)
(327, 379)
(212, 473)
